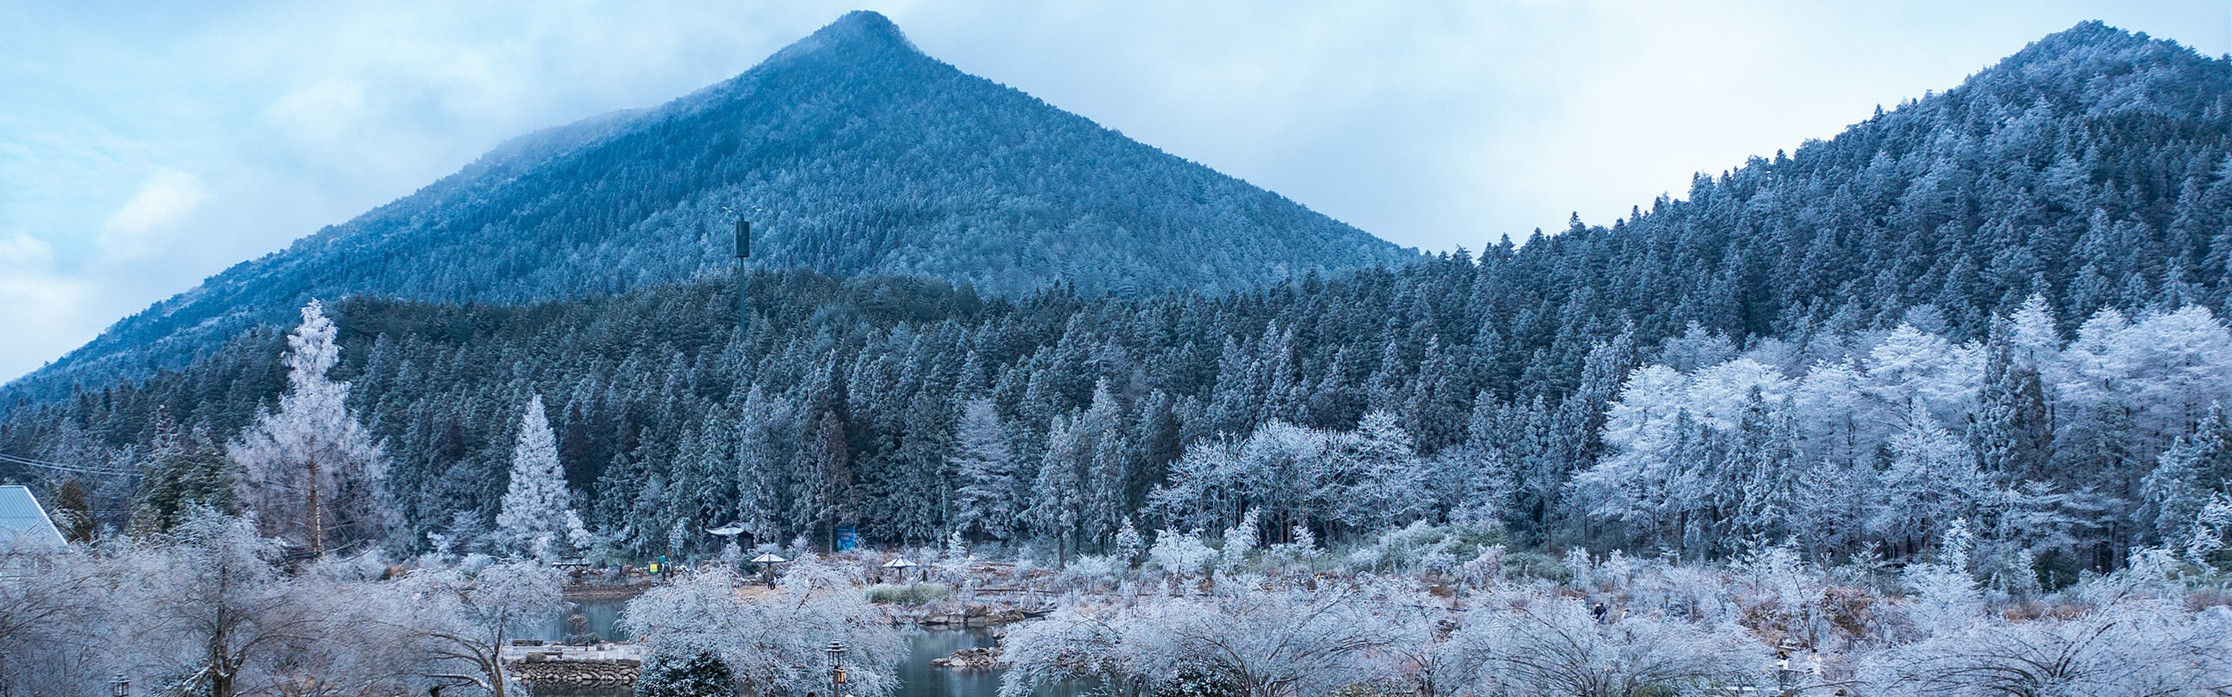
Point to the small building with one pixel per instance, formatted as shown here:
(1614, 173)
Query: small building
(23, 521)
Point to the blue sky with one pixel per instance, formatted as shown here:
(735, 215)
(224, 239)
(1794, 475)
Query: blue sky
(147, 145)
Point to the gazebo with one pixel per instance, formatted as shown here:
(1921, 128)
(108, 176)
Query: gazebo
(767, 562)
(901, 565)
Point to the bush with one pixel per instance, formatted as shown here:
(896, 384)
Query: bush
(908, 594)
(700, 675)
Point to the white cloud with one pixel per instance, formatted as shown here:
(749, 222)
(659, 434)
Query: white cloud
(319, 113)
(41, 308)
(134, 230)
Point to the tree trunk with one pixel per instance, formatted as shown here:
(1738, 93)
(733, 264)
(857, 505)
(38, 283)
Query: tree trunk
(317, 524)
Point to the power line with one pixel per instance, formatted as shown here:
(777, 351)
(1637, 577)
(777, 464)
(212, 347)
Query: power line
(77, 469)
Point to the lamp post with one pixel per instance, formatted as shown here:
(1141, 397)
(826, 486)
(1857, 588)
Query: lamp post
(836, 651)
(120, 686)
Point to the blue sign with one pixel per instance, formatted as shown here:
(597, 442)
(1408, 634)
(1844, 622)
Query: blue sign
(847, 538)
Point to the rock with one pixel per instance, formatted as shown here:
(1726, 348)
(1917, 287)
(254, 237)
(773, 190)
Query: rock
(970, 659)
(535, 671)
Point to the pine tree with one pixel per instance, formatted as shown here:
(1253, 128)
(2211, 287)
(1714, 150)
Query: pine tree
(1106, 466)
(183, 469)
(1057, 493)
(313, 473)
(985, 502)
(2195, 469)
(537, 519)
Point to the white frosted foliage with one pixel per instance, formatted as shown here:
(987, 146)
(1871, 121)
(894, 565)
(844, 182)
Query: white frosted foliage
(537, 519)
(314, 476)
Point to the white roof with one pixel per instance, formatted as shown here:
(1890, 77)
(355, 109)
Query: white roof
(22, 520)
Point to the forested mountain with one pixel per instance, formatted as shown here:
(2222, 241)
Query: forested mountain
(1988, 318)
(853, 152)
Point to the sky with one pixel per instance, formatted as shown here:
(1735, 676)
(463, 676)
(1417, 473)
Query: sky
(146, 145)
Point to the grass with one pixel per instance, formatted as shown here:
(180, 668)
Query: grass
(908, 594)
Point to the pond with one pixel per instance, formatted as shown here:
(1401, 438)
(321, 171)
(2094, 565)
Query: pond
(917, 678)
(599, 617)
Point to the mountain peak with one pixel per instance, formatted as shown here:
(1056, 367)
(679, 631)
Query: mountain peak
(858, 30)
(2089, 33)
(856, 155)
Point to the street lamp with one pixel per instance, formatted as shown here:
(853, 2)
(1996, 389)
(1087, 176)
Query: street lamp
(120, 686)
(767, 562)
(836, 651)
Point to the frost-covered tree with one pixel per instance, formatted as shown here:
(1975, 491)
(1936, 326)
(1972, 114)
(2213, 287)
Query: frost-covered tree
(1555, 646)
(1240, 640)
(314, 476)
(1058, 492)
(537, 519)
(208, 608)
(985, 502)
(53, 627)
(1180, 553)
(771, 643)
(1129, 543)
(2130, 648)
(1240, 540)
(1930, 482)
(462, 622)
(2195, 469)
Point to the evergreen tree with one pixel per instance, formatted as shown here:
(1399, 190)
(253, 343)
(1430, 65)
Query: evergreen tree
(985, 502)
(2195, 469)
(537, 519)
(312, 473)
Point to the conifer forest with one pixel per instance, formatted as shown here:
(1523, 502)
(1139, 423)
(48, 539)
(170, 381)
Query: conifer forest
(1937, 405)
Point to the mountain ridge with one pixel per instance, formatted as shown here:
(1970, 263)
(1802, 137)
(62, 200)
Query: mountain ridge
(855, 153)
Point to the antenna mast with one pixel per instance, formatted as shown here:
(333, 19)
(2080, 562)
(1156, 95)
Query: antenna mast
(743, 253)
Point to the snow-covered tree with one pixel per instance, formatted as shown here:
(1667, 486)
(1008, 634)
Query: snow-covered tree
(2131, 648)
(463, 621)
(208, 607)
(313, 475)
(985, 502)
(538, 519)
(1554, 646)
(2195, 469)
(1180, 553)
(771, 643)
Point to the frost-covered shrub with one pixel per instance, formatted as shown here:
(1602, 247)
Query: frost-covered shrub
(1181, 553)
(772, 643)
(1095, 567)
(1241, 639)
(2129, 649)
(1534, 644)
(1424, 548)
(698, 674)
(908, 593)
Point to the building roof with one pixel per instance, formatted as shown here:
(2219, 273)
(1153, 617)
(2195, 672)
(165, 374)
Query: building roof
(22, 520)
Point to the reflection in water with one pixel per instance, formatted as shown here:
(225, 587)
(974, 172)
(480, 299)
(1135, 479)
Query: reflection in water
(917, 678)
(599, 617)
